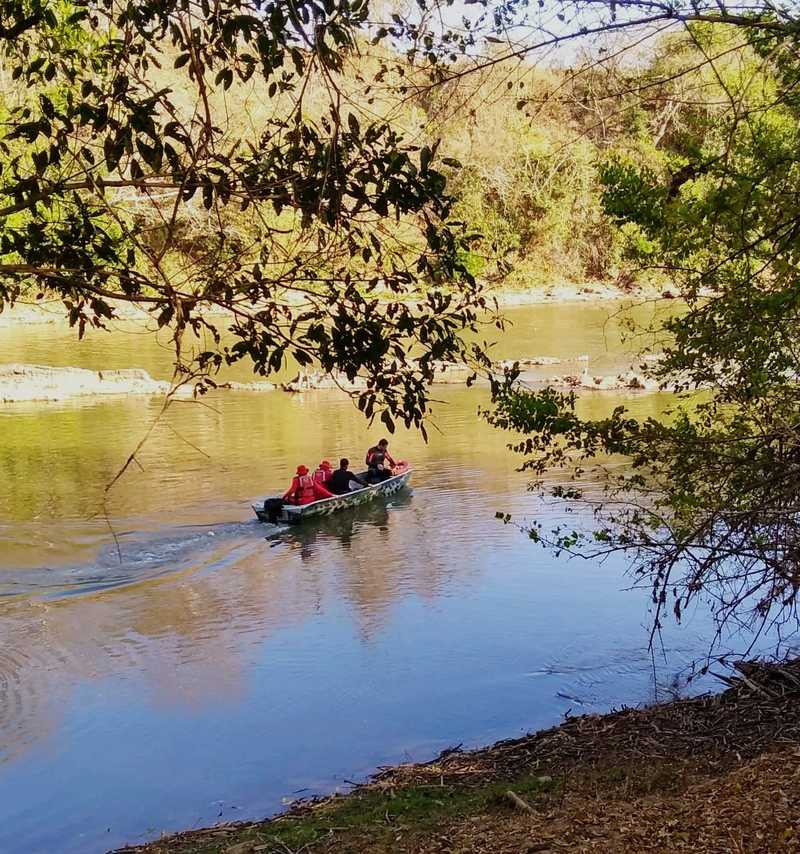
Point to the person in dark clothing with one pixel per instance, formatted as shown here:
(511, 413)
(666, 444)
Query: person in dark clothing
(378, 470)
(339, 482)
(380, 462)
(377, 454)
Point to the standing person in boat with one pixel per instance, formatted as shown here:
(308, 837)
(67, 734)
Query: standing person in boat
(305, 489)
(381, 450)
(323, 473)
(343, 480)
(377, 458)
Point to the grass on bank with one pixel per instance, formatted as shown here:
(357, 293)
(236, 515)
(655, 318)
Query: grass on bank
(380, 815)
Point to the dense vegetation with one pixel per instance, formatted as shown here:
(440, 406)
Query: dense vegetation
(125, 182)
(195, 170)
(523, 166)
(709, 506)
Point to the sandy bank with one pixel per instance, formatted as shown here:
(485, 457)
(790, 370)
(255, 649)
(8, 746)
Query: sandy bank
(713, 774)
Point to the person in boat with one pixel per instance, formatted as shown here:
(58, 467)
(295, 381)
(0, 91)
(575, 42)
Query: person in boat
(305, 489)
(343, 480)
(323, 473)
(380, 453)
(379, 462)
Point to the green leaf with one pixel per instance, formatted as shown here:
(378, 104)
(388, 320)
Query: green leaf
(425, 157)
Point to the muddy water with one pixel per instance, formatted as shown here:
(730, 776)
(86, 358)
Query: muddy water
(164, 664)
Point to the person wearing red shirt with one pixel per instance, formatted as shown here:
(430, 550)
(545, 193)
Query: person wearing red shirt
(305, 489)
(323, 473)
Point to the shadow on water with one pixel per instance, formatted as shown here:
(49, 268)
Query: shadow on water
(312, 536)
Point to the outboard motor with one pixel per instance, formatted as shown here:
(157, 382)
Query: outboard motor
(273, 507)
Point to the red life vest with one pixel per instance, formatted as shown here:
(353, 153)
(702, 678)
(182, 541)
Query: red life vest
(303, 492)
(322, 476)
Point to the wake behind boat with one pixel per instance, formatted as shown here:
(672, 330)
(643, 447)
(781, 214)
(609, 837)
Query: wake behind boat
(275, 510)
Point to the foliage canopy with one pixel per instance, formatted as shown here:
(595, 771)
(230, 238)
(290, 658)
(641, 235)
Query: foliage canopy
(329, 235)
(103, 166)
(709, 504)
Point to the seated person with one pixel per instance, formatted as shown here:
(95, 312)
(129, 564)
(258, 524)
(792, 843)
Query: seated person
(323, 473)
(343, 480)
(305, 489)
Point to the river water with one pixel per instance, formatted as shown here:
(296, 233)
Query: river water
(164, 664)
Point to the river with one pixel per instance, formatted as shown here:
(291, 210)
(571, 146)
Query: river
(165, 665)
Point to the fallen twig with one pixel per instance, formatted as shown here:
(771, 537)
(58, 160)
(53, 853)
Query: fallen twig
(517, 801)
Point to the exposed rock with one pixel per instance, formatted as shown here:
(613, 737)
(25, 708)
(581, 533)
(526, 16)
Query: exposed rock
(29, 315)
(20, 383)
(450, 373)
(629, 381)
(530, 362)
(254, 386)
(603, 383)
(636, 383)
(444, 373)
(318, 381)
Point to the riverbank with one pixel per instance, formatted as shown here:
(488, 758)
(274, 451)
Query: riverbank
(51, 311)
(22, 383)
(580, 292)
(716, 773)
(42, 382)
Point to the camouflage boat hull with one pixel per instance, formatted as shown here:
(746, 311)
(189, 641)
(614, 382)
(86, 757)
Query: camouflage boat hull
(325, 506)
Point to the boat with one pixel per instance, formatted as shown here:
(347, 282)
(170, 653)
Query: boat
(294, 514)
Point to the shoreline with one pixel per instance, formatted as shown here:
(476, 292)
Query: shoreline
(585, 292)
(32, 383)
(51, 311)
(715, 773)
(27, 383)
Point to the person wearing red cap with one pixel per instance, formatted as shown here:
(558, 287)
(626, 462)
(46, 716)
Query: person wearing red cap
(305, 489)
(323, 473)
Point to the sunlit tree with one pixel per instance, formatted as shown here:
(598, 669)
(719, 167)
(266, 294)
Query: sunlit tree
(321, 232)
(707, 505)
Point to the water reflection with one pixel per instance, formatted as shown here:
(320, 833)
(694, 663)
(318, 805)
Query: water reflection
(341, 527)
(227, 589)
(200, 660)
